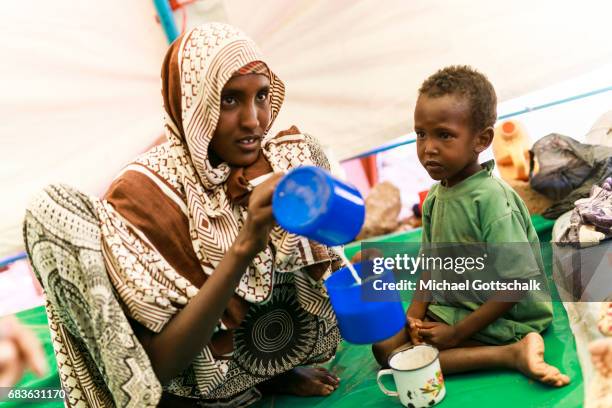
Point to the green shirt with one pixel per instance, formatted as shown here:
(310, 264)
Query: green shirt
(484, 209)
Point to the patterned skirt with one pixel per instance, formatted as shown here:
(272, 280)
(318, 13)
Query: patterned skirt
(100, 360)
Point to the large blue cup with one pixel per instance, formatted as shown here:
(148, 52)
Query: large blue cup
(362, 320)
(309, 201)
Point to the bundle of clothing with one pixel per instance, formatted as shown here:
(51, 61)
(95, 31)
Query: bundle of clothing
(564, 170)
(591, 219)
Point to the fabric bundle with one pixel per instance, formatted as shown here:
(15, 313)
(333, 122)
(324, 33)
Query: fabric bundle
(566, 170)
(591, 220)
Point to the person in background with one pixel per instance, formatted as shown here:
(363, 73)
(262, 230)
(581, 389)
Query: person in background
(19, 350)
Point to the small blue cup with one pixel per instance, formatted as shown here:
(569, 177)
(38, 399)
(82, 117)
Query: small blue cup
(363, 321)
(309, 201)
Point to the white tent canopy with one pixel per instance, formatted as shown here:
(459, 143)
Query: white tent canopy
(80, 80)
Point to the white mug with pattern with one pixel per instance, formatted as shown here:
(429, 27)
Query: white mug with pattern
(417, 375)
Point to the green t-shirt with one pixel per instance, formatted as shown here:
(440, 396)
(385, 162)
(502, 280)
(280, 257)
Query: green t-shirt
(484, 209)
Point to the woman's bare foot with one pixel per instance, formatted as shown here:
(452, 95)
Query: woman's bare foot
(303, 382)
(530, 361)
(601, 355)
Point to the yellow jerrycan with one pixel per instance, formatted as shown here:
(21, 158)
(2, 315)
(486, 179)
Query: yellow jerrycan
(511, 150)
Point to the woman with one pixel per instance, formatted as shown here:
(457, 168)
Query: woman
(179, 278)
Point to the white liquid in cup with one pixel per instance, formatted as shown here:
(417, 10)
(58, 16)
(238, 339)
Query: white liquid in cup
(340, 252)
(414, 358)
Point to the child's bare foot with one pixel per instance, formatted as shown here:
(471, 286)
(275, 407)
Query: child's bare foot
(303, 382)
(601, 355)
(530, 361)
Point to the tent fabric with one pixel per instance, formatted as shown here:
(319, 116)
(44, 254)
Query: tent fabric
(80, 97)
(352, 69)
(81, 79)
(601, 131)
(357, 368)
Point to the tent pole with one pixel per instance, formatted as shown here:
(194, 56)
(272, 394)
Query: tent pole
(167, 19)
(384, 148)
(9, 260)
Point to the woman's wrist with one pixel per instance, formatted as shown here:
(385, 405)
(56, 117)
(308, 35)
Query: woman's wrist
(243, 249)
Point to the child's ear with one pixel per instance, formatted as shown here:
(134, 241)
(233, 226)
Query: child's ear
(484, 140)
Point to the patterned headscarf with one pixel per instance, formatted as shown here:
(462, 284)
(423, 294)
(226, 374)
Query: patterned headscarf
(195, 70)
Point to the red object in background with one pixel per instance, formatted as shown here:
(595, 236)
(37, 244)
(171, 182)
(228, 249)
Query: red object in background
(370, 169)
(422, 197)
(177, 4)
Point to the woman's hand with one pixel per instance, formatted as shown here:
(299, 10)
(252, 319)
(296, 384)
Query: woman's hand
(438, 334)
(175, 347)
(366, 255)
(255, 233)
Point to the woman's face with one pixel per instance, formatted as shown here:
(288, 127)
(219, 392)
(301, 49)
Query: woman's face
(244, 118)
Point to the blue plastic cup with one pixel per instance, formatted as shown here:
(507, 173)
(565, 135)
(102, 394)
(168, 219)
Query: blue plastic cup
(309, 201)
(362, 321)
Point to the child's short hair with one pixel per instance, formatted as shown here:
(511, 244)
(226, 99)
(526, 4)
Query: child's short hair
(469, 83)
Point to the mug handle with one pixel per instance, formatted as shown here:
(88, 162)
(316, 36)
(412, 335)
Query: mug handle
(382, 373)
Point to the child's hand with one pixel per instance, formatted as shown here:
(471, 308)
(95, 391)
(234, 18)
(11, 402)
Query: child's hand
(413, 327)
(438, 334)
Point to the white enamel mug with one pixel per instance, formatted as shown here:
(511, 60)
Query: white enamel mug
(417, 375)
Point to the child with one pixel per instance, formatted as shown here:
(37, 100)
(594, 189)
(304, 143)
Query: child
(453, 120)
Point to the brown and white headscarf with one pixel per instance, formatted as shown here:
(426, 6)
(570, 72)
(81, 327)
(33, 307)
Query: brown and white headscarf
(195, 70)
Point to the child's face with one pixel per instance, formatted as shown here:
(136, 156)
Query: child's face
(243, 120)
(447, 146)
